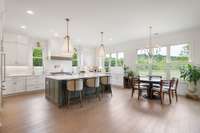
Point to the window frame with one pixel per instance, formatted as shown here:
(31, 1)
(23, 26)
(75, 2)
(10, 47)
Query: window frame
(116, 58)
(168, 58)
(34, 57)
(77, 58)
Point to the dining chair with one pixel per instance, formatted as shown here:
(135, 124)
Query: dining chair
(136, 85)
(74, 87)
(105, 84)
(93, 83)
(174, 88)
(165, 88)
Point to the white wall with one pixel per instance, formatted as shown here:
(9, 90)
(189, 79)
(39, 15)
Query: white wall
(130, 47)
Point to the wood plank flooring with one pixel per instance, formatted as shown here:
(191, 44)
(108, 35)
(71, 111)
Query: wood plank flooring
(117, 114)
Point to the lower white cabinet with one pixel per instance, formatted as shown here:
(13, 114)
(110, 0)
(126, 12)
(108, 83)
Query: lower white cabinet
(35, 83)
(17, 84)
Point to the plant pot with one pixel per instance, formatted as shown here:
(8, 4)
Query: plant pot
(193, 92)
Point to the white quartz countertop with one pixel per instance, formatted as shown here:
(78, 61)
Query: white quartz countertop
(77, 76)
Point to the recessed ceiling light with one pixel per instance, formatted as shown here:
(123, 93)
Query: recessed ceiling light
(110, 39)
(23, 27)
(30, 12)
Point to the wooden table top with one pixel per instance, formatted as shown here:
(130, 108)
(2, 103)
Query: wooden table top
(150, 80)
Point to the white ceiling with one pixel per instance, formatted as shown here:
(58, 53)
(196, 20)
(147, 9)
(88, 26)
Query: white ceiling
(121, 20)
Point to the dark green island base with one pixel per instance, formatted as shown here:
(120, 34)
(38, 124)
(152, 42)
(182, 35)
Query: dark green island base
(55, 91)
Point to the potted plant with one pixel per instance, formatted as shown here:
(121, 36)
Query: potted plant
(191, 74)
(130, 74)
(125, 70)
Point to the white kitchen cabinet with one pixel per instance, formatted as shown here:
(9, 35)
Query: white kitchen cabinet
(22, 55)
(15, 38)
(11, 53)
(35, 83)
(18, 84)
(15, 85)
(17, 49)
(17, 54)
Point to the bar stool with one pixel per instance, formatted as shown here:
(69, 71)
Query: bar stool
(93, 83)
(105, 84)
(74, 87)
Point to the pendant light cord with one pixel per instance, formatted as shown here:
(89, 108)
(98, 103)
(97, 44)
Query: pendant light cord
(101, 38)
(67, 19)
(150, 36)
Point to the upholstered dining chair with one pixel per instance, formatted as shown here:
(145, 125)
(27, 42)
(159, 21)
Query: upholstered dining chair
(136, 85)
(74, 87)
(93, 83)
(165, 88)
(105, 84)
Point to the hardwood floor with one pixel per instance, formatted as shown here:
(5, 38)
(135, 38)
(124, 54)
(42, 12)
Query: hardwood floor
(117, 114)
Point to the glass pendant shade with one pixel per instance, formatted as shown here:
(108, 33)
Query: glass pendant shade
(101, 51)
(67, 47)
(101, 48)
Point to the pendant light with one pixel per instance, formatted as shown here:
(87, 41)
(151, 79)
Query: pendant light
(68, 49)
(151, 47)
(101, 48)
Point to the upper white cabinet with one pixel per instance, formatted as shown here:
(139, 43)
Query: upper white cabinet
(23, 54)
(17, 50)
(14, 38)
(11, 53)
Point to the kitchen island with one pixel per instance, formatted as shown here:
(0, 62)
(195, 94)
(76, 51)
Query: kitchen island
(55, 85)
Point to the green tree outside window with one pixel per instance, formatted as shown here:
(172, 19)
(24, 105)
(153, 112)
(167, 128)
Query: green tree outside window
(37, 57)
(75, 58)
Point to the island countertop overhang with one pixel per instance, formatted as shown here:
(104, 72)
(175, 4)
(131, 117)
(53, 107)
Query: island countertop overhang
(77, 76)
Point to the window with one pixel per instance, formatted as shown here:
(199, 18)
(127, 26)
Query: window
(142, 56)
(179, 56)
(113, 59)
(107, 62)
(142, 61)
(75, 58)
(166, 61)
(37, 57)
(159, 61)
(120, 59)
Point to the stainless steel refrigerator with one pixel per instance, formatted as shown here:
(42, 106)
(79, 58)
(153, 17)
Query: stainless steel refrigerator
(2, 54)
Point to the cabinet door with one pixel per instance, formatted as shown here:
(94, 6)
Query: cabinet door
(35, 83)
(11, 53)
(22, 54)
(47, 87)
(10, 86)
(20, 84)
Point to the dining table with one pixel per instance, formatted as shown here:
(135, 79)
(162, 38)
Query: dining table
(150, 82)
